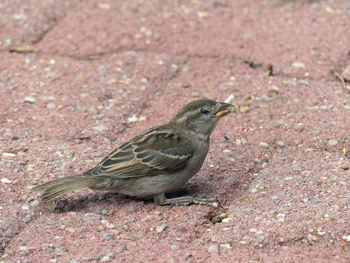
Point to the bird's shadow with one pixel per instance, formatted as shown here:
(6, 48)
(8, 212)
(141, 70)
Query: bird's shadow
(101, 200)
(83, 203)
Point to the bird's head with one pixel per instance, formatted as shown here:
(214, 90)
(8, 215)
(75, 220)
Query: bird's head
(201, 116)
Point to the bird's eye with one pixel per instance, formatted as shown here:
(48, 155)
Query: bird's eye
(205, 111)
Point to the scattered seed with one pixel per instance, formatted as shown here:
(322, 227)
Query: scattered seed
(202, 14)
(298, 65)
(226, 220)
(273, 91)
(229, 98)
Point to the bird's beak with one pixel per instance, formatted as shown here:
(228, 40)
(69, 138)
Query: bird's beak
(222, 109)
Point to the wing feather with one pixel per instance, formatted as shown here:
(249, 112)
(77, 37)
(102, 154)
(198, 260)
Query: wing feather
(153, 153)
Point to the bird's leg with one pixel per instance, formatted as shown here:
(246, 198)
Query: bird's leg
(161, 199)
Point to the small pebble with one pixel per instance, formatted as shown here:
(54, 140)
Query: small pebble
(321, 233)
(298, 65)
(215, 204)
(308, 150)
(213, 249)
(100, 128)
(25, 207)
(344, 166)
(332, 142)
(108, 257)
(229, 98)
(35, 203)
(264, 144)
(5, 180)
(136, 117)
(94, 257)
(347, 238)
(27, 219)
(51, 106)
(174, 247)
(259, 232)
(71, 229)
(76, 106)
(226, 220)
(202, 14)
(23, 248)
(107, 236)
(273, 91)
(115, 231)
(253, 190)
(346, 71)
(131, 208)
(8, 154)
(225, 246)
(88, 217)
(46, 99)
(281, 217)
(29, 100)
(119, 248)
(280, 144)
(104, 6)
(244, 141)
(106, 223)
(315, 5)
(160, 228)
(61, 251)
(329, 10)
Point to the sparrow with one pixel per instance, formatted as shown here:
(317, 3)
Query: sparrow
(158, 161)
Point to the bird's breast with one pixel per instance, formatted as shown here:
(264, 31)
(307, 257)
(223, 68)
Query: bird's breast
(198, 158)
(193, 166)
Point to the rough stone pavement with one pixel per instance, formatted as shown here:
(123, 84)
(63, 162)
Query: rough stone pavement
(78, 78)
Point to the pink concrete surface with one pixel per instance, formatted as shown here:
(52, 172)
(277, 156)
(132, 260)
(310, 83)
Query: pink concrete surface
(95, 74)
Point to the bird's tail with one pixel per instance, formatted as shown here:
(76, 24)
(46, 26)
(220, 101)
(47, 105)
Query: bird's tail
(60, 186)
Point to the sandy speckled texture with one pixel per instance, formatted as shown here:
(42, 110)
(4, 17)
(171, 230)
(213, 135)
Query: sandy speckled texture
(78, 78)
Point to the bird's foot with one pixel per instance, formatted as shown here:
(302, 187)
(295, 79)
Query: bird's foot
(161, 199)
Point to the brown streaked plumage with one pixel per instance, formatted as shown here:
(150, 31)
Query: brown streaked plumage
(158, 161)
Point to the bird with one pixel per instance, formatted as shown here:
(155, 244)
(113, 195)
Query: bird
(157, 162)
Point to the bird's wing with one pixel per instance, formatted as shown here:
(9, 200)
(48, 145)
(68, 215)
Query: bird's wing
(155, 152)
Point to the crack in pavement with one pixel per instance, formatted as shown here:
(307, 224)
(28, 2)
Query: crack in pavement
(28, 49)
(42, 35)
(19, 225)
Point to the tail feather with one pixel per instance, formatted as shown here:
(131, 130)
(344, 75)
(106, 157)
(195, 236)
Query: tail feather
(64, 185)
